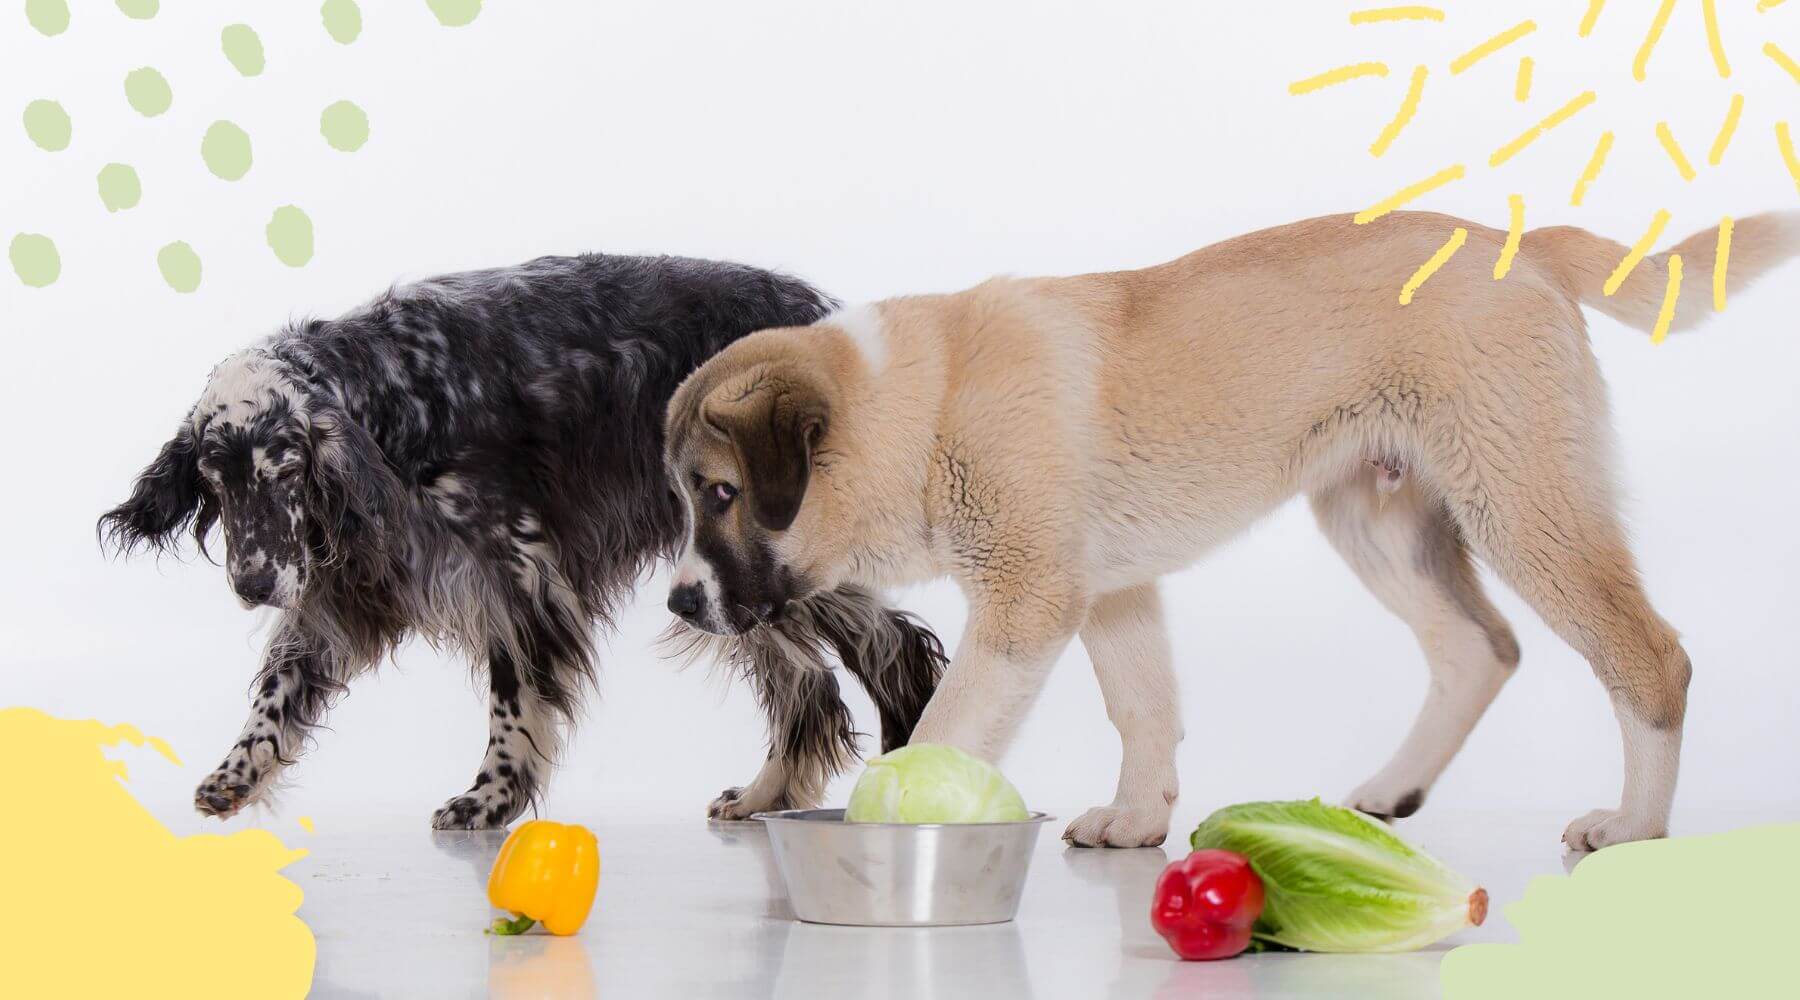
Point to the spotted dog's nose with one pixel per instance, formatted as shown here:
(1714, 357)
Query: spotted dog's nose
(686, 599)
(255, 588)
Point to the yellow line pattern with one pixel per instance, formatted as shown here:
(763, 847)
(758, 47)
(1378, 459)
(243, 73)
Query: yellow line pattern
(1764, 6)
(1408, 193)
(1430, 267)
(1638, 250)
(1335, 76)
(1642, 62)
(1732, 114)
(1671, 294)
(1376, 14)
(1673, 148)
(1515, 230)
(1492, 45)
(1783, 60)
(1531, 134)
(1713, 41)
(1592, 170)
(1522, 85)
(1721, 258)
(1408, 107)
(1785, 141)
(1592, 15)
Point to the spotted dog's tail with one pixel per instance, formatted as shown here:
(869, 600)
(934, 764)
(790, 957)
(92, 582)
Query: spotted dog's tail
(1585, 262)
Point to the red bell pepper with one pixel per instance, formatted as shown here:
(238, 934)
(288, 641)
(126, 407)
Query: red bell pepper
(1206, 903)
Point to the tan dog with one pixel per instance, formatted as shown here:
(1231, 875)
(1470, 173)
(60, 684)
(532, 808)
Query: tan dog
(1056, 445)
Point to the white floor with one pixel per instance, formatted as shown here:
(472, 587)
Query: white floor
(692, 910)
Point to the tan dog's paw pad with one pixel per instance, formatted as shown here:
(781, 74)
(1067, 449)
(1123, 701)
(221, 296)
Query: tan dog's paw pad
(1385, 803)
(1111, 826)
(1605, 827)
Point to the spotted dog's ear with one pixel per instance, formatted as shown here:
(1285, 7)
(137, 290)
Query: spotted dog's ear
(353, 493)
(774, 415)
(167, 497)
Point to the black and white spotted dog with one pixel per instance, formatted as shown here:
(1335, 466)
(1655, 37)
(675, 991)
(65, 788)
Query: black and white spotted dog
(477, 458)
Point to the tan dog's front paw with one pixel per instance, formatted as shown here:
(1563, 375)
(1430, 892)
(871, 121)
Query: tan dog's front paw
(1605, 827)
(1112, 826)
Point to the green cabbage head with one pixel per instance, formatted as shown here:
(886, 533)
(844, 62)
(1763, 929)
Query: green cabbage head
(1337, 880)
(932, 783)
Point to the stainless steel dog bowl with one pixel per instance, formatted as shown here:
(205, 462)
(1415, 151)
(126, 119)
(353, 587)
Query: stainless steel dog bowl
(900, 874)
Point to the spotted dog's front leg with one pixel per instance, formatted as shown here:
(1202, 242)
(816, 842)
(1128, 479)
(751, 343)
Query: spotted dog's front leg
(296, 685)
(522, 742)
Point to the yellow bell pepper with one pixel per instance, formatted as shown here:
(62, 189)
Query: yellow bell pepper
(546, 872)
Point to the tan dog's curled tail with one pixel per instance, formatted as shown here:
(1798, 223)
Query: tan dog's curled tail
(1585, 261)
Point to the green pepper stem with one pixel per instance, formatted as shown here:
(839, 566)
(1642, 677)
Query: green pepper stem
(506, 928)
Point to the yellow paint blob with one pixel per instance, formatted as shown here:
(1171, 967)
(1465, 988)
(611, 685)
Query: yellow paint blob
(1690, 917)
(103, 900)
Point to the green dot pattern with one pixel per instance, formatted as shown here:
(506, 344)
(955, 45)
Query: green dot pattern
(345, 126)
(48, 125)
(119, 187)
(290, 235)
(34, 259)
(147, 92)
(180, 266)
(226, 150)
(140, 10)
(49, 17)
(454, 13)
(243, 49)
(343, 20)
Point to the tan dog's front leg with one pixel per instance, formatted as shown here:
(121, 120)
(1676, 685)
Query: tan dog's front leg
(997, 672)
(1125, 638)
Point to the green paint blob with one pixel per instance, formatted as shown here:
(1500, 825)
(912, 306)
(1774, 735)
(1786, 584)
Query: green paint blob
(49, 17)
(147, 92)
(180, 266)
(454, 13)
(243, 49)
(34, 259)
(48, 125)
(119, 187)
(344, 126)
(141, 10)
(226, 150)
(343, 20)
(290, 235)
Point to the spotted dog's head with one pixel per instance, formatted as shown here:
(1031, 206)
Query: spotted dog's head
(745, 437)
(284, 478)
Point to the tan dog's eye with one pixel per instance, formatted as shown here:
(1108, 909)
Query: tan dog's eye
(720, 495)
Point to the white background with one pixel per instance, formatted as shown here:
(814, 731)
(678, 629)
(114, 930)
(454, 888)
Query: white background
(880, 151)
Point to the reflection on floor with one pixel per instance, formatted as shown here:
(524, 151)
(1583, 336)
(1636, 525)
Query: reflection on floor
(692, 910)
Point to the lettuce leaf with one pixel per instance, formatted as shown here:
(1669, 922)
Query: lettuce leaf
(1336, 880)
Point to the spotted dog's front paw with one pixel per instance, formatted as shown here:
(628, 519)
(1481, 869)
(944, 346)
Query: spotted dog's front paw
(731, 806)
(478, 809)
(222, 794)
(1605, 827)
(241, 779)
(1112, 826)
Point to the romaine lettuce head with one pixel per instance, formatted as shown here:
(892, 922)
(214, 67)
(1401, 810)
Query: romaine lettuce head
(932, 783)
(1337, 880)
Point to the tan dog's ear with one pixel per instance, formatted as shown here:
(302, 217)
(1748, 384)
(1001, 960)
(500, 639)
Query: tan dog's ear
(774, 417)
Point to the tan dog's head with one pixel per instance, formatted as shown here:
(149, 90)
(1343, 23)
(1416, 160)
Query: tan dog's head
(744, 433)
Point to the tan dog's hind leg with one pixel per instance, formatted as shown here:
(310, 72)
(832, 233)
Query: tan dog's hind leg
(1408, 553)
(1125, 638)
(1533, 498)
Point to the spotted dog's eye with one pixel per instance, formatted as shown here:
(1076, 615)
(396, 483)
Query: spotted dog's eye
(720, 495)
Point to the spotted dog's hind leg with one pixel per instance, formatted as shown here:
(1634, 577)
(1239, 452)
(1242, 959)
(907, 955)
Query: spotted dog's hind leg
(298, 682)
(523, 737)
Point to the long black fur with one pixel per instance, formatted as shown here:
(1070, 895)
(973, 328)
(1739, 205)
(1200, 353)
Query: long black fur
(482, 461)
